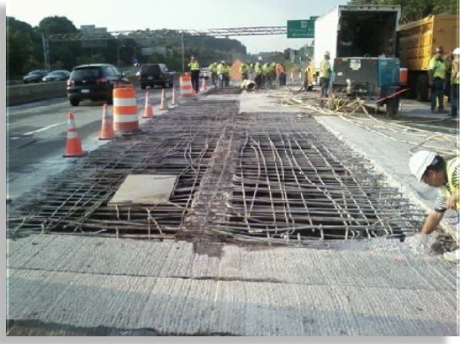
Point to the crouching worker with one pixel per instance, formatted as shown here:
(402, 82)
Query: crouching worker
(444, 174)
(247, 85)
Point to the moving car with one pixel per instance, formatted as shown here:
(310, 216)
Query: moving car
(57, 75)
(34, 76)
(155, 74)
(94, 82)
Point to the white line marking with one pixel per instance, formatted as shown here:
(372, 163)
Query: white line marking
(43, 129)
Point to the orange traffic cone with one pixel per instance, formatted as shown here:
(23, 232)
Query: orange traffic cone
(163, 104)
(74, 144)
(148, 111)
(107, 131)
(173, 100)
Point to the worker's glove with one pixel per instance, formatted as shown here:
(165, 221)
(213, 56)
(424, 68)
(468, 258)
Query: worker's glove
(421, 243)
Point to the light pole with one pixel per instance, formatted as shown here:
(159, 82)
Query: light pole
(182, 52)
(118, 57)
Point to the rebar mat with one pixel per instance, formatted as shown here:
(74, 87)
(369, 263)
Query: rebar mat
(259, 176)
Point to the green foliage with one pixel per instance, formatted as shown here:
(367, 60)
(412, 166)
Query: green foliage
(412, 10)
(54, 25)
(25, 48)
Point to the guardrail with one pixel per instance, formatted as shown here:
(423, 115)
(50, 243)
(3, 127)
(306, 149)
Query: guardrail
(20, 94)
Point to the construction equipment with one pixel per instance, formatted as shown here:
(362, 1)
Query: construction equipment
(356, 31)
(417, 42)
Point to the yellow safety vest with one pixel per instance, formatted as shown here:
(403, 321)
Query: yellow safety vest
(450, 188)
(438, 67)
(325, 69)
(194, 65)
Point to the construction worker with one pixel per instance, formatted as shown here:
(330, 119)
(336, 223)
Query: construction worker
(213, 69)
(280, 74)
(220, 73)
(325, 74)
(259, 74)
(194, 68)
(444, 174)
(251, 74)
(244, 70)
(226, 75)
(309, 73)
(268, 74)
(436, 76)
(455, 83)
(247, 85)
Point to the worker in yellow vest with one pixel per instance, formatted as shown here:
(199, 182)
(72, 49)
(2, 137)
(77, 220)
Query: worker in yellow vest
(244, 70)
(259, 73)
(436, 77)
(220, 75)
(325, 74)
(213, 70)
(444, 174)
(455, 83)
(226, 75)
(194, 68)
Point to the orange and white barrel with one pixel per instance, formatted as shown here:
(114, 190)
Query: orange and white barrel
(126, 119)
(186, 89)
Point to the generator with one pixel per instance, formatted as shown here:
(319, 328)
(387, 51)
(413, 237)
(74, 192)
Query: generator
(370, 78)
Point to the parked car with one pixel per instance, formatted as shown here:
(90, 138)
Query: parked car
(205, 73)
(34, 76)
(155, 74)
(57, 75)
(94, 82)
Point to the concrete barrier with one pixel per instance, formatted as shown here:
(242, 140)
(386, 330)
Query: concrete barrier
(21, 94)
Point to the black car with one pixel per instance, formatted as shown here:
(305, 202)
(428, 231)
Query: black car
(57, 75)
(94, 82)
(35, 76)
(155, 74)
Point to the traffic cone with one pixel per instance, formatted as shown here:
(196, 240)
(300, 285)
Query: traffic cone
(148, 110)
(163, 104)
(107, 131)
(173, 100)
(74, 144)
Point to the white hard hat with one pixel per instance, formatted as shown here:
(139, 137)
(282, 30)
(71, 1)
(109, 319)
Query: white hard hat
(327, 53)
(260, 58)
(456, 51)
(420, 161)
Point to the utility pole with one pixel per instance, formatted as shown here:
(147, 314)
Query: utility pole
(182, 52)
(45, 48)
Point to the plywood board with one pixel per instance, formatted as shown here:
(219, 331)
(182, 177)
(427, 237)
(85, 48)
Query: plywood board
(144, 189)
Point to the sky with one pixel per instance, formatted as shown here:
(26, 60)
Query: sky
(180, 14)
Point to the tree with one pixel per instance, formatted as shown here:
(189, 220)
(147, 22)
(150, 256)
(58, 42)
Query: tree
(23, 47)
(60, 53)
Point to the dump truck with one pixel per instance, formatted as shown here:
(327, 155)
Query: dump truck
(416, 43)
(357, 31)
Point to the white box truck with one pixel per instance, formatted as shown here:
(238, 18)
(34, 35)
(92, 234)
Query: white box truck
(357, 31)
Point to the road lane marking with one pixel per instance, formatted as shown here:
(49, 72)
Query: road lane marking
(44, 129)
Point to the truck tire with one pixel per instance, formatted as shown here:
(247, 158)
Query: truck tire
(422, 88)
(74, 102)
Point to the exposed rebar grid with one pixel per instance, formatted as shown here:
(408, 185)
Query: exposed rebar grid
(268, 177)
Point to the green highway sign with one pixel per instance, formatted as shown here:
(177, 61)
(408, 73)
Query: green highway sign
(301, 28)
